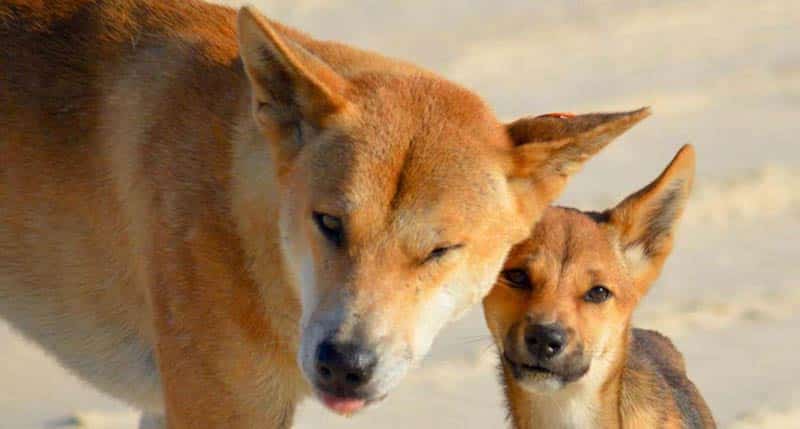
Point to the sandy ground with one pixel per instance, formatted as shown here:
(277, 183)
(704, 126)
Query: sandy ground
(722, 74)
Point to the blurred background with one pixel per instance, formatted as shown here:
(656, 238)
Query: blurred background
(721, 74)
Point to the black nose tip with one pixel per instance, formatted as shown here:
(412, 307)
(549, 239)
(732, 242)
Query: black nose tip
(545, 341)
(344, 367)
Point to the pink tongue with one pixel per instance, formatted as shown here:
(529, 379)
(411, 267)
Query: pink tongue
(343, 405)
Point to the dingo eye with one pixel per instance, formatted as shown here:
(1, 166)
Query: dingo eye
(517, 279)
(440, 251)
(597, 295)
(330, 227)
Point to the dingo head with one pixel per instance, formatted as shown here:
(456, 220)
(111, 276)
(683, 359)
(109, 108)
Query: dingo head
(563, 301)
(401, 195)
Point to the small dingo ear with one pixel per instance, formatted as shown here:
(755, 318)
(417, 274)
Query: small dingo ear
(646, 221)
(550, 148)
(290, 84)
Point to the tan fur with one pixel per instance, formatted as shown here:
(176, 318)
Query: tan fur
(157, 190)
(633, 378)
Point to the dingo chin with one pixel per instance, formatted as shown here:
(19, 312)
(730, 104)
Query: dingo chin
(225, 215)
(560, 317)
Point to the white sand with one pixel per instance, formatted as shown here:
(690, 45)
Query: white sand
(723, 74)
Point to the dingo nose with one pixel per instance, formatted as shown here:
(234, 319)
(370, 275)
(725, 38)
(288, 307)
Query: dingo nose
(545, 341)
(344, 367)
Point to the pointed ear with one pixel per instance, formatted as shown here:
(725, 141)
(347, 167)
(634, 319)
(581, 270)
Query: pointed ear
(646, 221)
(550, 148)
(290, 84)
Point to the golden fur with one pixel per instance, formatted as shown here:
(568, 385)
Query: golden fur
(158, 178)
(608, 375)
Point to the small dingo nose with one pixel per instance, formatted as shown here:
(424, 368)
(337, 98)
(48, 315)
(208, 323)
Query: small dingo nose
(545, 341)
(344, 367)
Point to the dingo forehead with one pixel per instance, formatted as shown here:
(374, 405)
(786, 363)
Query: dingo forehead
(569, 246)
(627, 244)
(416, 149)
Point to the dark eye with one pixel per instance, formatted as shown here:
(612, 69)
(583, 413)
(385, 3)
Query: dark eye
(597, 295)
(330, 226)
(517, 279)
(440, 251)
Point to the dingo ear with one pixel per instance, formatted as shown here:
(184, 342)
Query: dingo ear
(646, 220)
(290, 84)
(552, 147)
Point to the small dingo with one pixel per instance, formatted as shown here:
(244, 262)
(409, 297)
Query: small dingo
(560, 317)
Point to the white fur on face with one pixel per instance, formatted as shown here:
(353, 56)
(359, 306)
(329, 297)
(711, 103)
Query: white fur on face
(432, 317)
(541, 384)
(458, 295)
(300, 263)
(569, 408)
(636, 259)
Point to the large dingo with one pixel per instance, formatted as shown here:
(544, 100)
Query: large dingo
(560, 317)
(212, 224)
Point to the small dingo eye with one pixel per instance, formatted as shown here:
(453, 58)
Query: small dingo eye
(330, 226)
(597, 295)
(440, 251)
(517, 279)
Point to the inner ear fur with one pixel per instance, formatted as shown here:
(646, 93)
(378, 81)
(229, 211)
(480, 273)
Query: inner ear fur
(646, 220)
